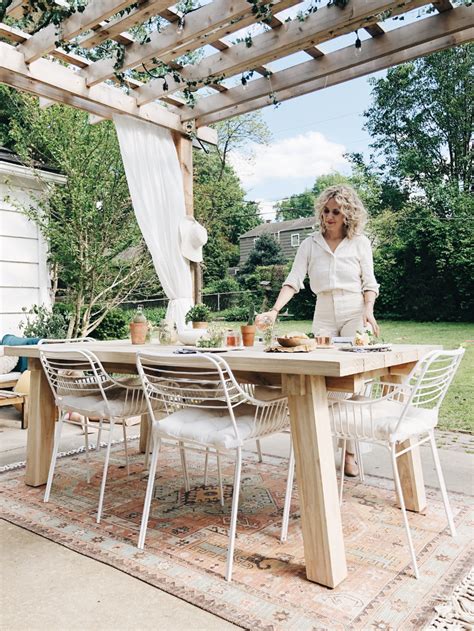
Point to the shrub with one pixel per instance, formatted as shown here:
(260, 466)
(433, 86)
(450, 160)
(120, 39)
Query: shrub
(41, 322)
(198, 313)
(155, 314)
(113, 327)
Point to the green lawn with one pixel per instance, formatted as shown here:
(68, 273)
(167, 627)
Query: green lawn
(457, 412)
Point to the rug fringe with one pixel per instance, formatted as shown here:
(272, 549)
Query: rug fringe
(457, 613)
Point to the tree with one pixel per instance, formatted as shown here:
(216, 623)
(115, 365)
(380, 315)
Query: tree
(266, 251)
(94, 241)
(422, 117)
(236, 133)
(220, 206)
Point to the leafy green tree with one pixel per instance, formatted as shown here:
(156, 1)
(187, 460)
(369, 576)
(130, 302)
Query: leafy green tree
(219, 205)
(302, 204)
(422, 118)
(266, 251)
(95, 246)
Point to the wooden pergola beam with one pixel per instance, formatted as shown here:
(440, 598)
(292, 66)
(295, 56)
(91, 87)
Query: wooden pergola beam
(291, 37)
(44, 40)
(53, 81)
(209, 22)
(343, 76)
(417, 33)
(108, 30)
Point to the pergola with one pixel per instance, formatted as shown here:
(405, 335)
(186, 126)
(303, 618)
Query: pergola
(35, 63)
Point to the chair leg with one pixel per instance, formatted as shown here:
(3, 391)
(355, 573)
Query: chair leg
(219, 478)
(343, 459)
(288, 493)
(401, 499)
(359, 461)
(125, 444)
(259, 450)
(149, 492)
(86, 447)
(99, 435)
(148, 443)
(206, 463)
(57, 438)
(233, 516)
(184, 465)
(104, 473)
(442, 485)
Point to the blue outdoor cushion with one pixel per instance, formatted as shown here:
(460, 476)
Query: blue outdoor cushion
(14, 340)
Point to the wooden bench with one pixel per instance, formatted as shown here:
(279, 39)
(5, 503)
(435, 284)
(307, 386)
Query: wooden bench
(8, 397)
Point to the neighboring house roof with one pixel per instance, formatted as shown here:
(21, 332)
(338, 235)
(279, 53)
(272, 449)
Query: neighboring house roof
(6, 155)
(281, 226)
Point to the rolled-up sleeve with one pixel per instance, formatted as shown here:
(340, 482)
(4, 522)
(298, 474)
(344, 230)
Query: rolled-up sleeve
(369, 282)
(299, 270)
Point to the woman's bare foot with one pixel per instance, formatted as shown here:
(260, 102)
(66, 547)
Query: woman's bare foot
(350, 466)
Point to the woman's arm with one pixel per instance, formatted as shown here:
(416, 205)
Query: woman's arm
(285, 295)
(369, 318)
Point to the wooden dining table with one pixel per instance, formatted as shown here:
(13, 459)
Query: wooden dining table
(306, 379)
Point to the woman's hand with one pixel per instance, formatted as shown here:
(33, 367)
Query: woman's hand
(266, 320)
(369, 318)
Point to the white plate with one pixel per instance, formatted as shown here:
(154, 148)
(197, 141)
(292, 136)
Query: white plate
(219, 349)
(368, 348)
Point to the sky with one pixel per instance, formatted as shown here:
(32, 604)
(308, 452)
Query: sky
(311, 133)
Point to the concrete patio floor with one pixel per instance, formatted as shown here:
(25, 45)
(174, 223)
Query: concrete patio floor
(76, 592)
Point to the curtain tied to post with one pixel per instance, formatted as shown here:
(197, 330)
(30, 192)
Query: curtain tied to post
(155, 182)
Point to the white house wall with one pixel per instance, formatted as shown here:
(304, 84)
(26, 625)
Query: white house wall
(24, 275)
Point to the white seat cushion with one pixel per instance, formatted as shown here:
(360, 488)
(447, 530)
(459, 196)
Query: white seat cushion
(10, 376)
(213, 428)
(93, 405)
(385, 417)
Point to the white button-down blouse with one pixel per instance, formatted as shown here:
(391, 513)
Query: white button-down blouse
(350, 267)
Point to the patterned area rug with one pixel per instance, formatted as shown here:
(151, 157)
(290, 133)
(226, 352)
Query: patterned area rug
(187, 542)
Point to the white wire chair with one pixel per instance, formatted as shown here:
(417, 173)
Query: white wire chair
(206, 407)
(389, 414)
(80, 384)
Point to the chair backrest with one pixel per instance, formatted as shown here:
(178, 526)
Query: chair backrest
(431, 378)
(74, 372)
(205, 381)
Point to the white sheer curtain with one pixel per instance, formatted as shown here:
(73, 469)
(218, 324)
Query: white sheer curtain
(155, 182)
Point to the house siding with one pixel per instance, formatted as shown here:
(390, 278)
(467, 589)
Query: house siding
(289, 251)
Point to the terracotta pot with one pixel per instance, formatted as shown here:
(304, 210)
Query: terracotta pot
(199, 325)
(248, 334)
(138, 331)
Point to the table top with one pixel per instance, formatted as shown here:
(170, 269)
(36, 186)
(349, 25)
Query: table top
(327, 362)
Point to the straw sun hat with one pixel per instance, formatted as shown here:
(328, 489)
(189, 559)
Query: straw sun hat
(192, 237)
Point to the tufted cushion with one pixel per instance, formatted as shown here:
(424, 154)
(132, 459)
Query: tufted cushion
(385, 417)
(209, 427)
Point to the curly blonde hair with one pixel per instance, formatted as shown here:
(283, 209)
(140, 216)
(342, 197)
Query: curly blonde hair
(350, 205)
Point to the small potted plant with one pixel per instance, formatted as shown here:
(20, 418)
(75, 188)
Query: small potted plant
(248, 330)
(199, 315)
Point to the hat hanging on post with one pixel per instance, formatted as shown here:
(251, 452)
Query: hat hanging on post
(192, 237)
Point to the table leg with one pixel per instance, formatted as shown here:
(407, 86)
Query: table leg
(41, 423)
(316, 474)
(409, 468)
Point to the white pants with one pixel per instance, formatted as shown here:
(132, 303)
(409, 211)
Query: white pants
(339, 313)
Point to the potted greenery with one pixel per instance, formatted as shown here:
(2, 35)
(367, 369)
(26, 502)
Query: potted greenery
(199, 315)
(248, 330)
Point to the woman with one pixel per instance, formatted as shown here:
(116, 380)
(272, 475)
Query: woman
(338, 261)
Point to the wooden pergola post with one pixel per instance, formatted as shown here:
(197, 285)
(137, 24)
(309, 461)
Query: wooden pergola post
(184, 149)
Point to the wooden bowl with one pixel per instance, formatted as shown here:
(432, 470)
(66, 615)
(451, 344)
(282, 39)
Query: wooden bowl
(288, 342)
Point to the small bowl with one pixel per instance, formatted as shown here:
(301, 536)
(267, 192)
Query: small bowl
(292, 341)
(190, 336)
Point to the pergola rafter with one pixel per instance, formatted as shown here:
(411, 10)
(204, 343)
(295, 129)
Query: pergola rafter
(383, 48)
(290, 38)
(30, 61)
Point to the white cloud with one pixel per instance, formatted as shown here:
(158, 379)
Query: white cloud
(299, 157)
